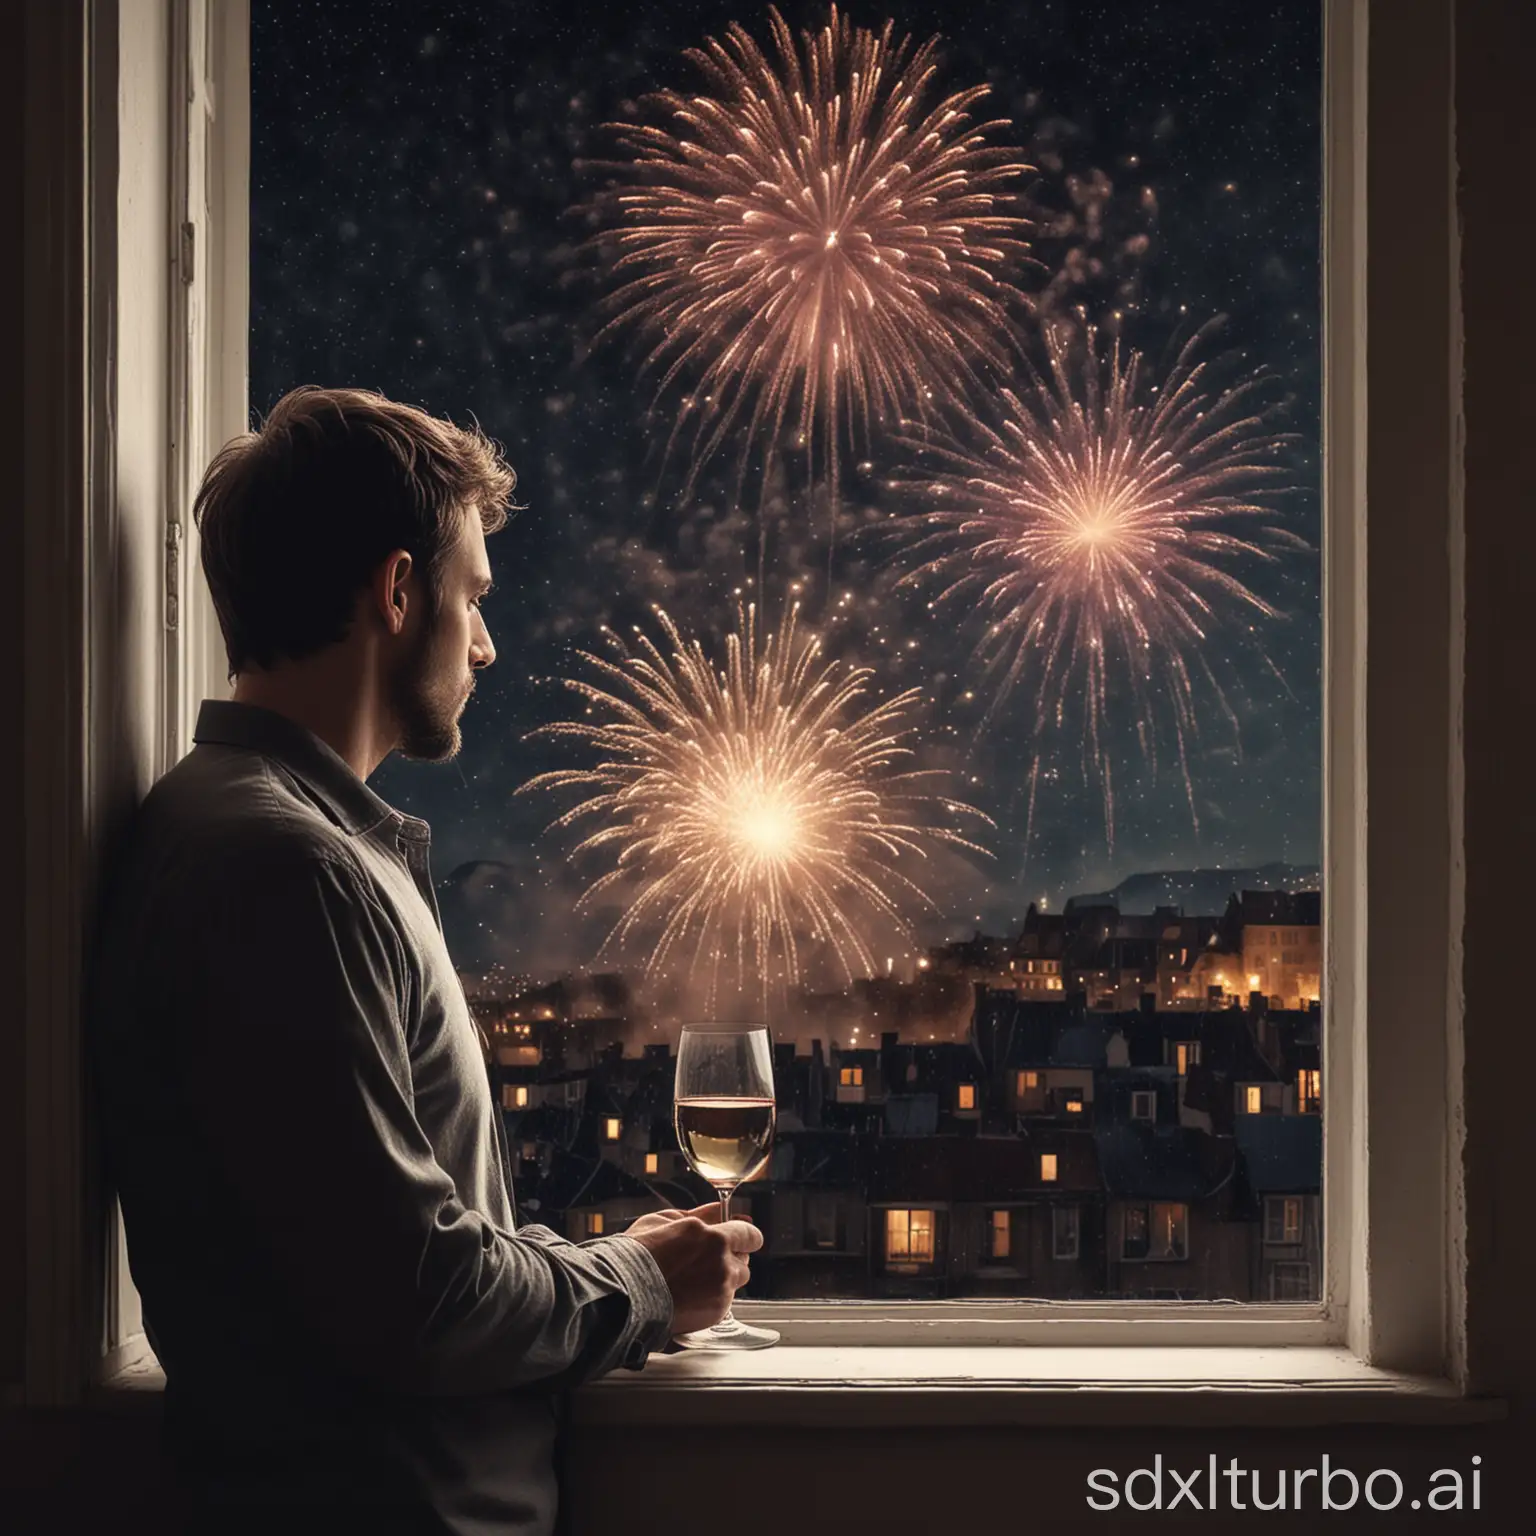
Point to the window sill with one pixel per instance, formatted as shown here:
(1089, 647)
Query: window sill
(872, 1386)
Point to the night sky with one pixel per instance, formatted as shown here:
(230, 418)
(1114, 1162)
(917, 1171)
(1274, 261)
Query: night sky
(421, 179)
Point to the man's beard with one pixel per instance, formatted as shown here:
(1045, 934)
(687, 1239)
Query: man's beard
(427, 709)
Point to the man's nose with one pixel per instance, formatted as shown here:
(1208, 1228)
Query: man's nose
(482, 653)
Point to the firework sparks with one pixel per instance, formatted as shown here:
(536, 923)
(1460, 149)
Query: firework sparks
(755, 807)
(1095, 528)
(814, 246)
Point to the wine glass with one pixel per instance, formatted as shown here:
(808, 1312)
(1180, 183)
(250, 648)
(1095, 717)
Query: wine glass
(723, 1111)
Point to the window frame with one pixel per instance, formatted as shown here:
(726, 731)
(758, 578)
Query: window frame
(1393, 1284)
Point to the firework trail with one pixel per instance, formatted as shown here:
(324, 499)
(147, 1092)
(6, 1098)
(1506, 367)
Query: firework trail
(751, 807)
(811, 244)
(1095, 528)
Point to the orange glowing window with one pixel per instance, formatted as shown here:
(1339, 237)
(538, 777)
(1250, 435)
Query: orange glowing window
(1047, 1167)
(909, 1236)
(967, 1098)
(611, 1128)
(1002, 1233)
(652, 1163)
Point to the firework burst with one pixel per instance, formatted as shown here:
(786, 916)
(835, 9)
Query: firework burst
(811, 244)
(1096, 528)
(753, 808)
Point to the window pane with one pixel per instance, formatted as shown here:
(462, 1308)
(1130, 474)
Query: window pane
(1078, 956)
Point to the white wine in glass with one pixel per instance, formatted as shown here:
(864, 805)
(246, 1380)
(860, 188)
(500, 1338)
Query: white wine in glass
(723, 1111)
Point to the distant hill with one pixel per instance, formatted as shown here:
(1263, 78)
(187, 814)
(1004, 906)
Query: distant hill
(1199, 892)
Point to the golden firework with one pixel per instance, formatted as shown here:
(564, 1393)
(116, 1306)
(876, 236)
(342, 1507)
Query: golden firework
(751, 808)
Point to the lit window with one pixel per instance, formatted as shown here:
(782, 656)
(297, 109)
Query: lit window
(520, 1097)
(909, 1236)
(652, 1162)
(967, 1097)
(611, 1128)
(1026, 1082)
(1253, 1097)
(1002, 1232)
(1282, 1218)
(594, 1223)
(1144, 1104)
(1156, 1231)
(851, 1077)
(1072, 1101)
(1309, 1090)
(1065, 1236)
(1047, 1167)
(1187, 1055)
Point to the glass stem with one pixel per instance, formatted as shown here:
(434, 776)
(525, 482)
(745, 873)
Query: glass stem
(728, 1323)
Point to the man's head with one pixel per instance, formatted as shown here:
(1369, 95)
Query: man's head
(351, 523)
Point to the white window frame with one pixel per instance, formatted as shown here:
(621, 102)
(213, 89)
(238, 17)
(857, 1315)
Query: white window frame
(162, 377)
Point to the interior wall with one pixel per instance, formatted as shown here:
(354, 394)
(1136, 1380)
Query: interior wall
(1496, 140)
(12, 843)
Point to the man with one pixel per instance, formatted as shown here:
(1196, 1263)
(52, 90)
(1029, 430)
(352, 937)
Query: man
(295, 1100)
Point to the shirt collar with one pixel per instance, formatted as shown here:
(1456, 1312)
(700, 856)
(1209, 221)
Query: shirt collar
(322, 770)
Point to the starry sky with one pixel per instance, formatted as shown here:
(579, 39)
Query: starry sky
(423, 176)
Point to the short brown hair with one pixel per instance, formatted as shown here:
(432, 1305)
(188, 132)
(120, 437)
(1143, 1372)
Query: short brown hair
(296, 516)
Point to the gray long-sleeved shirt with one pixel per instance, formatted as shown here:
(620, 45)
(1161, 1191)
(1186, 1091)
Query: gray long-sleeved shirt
(313, 1174)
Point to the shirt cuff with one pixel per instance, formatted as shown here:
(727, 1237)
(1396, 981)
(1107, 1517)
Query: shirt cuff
(650, 1312)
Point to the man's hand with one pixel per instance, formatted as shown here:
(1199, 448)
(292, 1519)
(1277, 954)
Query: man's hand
(703, 1260)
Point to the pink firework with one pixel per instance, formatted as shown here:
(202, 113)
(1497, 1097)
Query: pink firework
(1095, 529)
(809, 245)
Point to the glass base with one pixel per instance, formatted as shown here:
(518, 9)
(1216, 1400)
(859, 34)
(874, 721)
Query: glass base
(727, 1334)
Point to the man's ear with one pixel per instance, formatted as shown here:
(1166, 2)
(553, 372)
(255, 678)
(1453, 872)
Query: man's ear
(393, 589)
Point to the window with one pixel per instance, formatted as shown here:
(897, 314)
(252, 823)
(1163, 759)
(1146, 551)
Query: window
(1001, 1234)
(499, 217)
(520, 1097)
(1144, 1104)
(821, 1221)
(1291, 1281)
(1282, 1218)
(1047, 1167)
(1065, 1239)
(652, 1162)
(594, 1223)
(1426, 1123)
(518, 1055)
(1187, 1055)
(1159, 1230)
(1309, 1090)
(1262, 1098)
(612, 1128)
(909, 1236)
